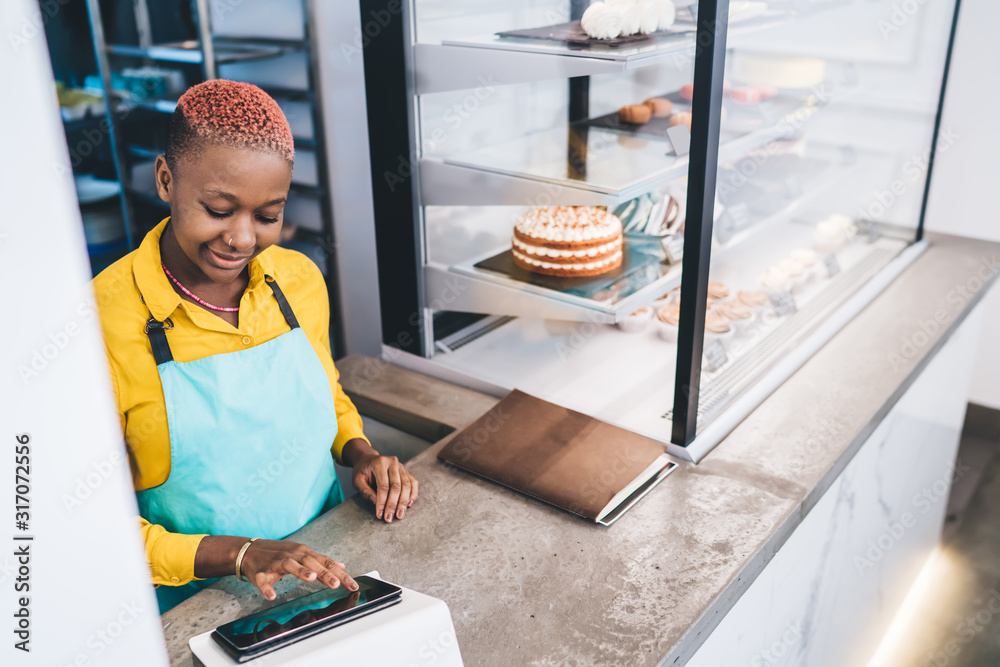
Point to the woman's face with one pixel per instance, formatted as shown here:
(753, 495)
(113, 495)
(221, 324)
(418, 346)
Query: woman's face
(226, 206)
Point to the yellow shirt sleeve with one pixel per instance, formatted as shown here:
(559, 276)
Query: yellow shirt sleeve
(170, 555)
(349, 424)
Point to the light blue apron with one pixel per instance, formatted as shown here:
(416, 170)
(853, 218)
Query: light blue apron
(250, 439)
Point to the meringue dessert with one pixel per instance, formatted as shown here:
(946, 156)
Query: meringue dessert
(622, 18)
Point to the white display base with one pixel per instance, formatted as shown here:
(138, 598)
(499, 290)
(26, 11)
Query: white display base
(830, 592)
(416, 631)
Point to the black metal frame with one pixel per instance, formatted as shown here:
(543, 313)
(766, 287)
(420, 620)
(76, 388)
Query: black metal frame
(392, 184)
(937, 120)
(706, 109)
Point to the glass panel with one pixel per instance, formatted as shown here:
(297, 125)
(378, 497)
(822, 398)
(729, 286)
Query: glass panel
(806, 221)
(828, 113)
(490, 155)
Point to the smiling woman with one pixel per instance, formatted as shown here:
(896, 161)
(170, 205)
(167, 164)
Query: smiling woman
(219, 373)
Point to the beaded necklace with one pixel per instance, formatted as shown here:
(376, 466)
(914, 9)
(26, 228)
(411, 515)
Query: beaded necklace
(200, 301)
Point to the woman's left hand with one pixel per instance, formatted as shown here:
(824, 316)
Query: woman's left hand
(382, 480)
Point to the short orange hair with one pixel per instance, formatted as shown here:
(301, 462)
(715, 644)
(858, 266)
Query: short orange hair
(230, 113)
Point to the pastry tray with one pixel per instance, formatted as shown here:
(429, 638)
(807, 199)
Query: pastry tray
(572, 34)
(654, 127)
(638, 269)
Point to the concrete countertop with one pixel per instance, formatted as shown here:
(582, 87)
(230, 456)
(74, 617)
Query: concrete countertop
(528, 584)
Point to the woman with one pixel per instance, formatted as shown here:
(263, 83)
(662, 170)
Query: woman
(220, 357)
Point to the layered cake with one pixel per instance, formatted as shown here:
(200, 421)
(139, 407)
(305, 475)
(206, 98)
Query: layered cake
(568, 241)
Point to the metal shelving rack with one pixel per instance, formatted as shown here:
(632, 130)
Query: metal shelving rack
(210, 51)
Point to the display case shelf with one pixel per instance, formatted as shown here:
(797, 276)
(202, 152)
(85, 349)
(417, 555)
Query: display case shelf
(457, 64)
(634, 369)
(190, 52)
(608, 299)
(617, 166)
(477, 288)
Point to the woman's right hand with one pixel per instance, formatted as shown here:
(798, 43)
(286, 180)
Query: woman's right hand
(265, 562)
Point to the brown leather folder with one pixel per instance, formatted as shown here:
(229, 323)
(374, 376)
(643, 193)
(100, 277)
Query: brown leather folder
(563, 457)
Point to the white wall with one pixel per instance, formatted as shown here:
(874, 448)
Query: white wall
(89, 597)
(964, 190)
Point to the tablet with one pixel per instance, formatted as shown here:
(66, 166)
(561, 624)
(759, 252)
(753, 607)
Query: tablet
(268, 630)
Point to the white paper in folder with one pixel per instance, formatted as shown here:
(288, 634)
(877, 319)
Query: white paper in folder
(417, 632)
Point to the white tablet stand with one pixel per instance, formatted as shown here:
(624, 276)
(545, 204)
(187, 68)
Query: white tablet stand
(416, 631)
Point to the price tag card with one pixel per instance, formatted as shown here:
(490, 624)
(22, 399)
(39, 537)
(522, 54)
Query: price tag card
(715, 356)
(724, 228)
(873, 232)
(832, 265)
(680, 137)
(740, 215)
(784, 303)
(793, 186)
(673, 246)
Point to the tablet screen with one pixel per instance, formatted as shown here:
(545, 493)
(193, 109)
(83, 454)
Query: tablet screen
(319, 607)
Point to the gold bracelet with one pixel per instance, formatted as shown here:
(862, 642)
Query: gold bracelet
(239, 558)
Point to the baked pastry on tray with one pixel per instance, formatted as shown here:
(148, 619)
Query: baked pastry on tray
(568, 241)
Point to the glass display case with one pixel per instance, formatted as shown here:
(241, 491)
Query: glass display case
(769, 163)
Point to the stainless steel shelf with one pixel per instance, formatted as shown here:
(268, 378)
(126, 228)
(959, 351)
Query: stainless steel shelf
(480, 292)
(142, 152)
(473, 289)
(461, 63)
(535, 168)
(190, 52)
(158, 104)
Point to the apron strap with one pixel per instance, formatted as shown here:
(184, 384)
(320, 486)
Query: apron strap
(286, 309)
(156, 330)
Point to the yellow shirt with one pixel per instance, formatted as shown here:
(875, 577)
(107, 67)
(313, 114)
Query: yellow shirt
(197, 333)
